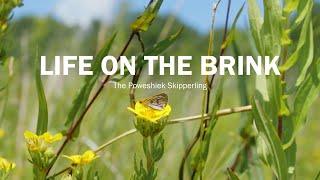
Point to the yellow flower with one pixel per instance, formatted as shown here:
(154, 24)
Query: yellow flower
(5, 165)
(149, 121)
(48, 138)
(83, 159)
(148, 113)
(34, 142)
(2, 133)
(40, 143)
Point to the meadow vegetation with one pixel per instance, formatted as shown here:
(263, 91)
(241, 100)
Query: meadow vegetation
(241, 127)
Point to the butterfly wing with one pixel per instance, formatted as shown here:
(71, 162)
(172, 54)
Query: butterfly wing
(158, 102)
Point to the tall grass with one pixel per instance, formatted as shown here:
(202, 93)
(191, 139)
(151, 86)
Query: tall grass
(273, 108)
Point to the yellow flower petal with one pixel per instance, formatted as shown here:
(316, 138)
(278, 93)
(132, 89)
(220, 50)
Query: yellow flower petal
(149, 113)
(76, 159)
(30, 135)
(48, 138)
(88, 156)
(2, 133)
(83, 159)
(5, 165)
(40, 143)
(33, 141)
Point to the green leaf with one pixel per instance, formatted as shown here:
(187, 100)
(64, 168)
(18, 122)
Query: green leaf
(263, 150)
(232, 175)
(42, 123)
(268, 132)
(306, 94)
(255, 21)
(272, 27)
(92, 173)
(318, 176)
(216, 101)
(157, 49)
(144, 21)
(81, 99)
(158, 149)
(291, 151)
(291, 5)
(275, 105)
(246, 131)
(261, 87)
(304, 50)
(232, 32)
(203, 150)
(230, 152)
(273, 36)
(201, 156)
(306, 55)
(303, 11)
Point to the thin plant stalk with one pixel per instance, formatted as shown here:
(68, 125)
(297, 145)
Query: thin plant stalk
(223, 112)
(136, 77)
(209, 83)
(81, 117)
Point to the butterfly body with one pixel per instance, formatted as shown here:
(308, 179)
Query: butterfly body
(157, 102)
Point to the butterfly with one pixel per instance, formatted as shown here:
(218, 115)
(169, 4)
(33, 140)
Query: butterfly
(157, 102)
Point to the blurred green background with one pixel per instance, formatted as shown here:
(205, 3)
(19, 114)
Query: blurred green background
(109, 117)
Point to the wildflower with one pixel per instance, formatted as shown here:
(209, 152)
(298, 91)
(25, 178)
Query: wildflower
(48, 138)
(149, 114)
(77, 164)
(34, 142)
(6, 166)
(2, 133)
(83, 159)
(150, 121)
(40, 142)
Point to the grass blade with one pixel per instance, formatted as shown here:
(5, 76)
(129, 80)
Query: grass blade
(232, 175)
(232, 32)
(42, 123)
(81, 99)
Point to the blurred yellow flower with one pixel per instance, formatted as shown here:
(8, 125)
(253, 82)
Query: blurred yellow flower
(48, 138)
(40, 143)
(2, 133)
(148, 113)
(5, 165)
(83, 159)
(33, 141)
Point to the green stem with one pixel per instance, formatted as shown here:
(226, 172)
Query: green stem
(149, 157)
(73, 128)
(222, 112)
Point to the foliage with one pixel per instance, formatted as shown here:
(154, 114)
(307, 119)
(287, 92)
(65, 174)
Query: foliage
(263, 142)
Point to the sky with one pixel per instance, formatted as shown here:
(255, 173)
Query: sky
(195, 13)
